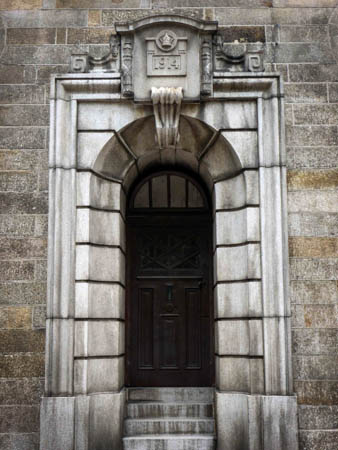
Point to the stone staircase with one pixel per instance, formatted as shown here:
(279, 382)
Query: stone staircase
(169, 419)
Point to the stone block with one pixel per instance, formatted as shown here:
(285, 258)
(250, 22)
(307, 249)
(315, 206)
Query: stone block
(313, 292)
(228, 115)
(234, 16)
(252, 187)
(238, 300)
(21, 341)
(318, 417)
(35, 36)
(99, 193)
(21, 4)
(232, 337)
(45, 18)
(233, 374)
(224, 193)
(313, 247)
(305, 93)
(14, 74)
(245, 146)
(107, 116)
(41, 225)
(279, 416)
(235, 227)
(22, 293)
(39, 317)
(42, 54)
(22, 159)
(18, 317)
(99, 338)
(25, 391)
(19, 419)
(300, 16)
(19, 138)
(257, 379)
(315, 269)
(316, 392)
(95, 300)
(318, 224)
(109, 17)
(44, 72)
(320, 440)
(316, 134)
(321, 367)
(238, 263)
(88, 35)
(24, 115)
(311, 157)
(316, 33)
(21, 365)
(89, 146)
(315, 316)
(28, 441)
(316, 114)
(312, 179)
(313, 201)
(94, 17)
(99, 264)
(15, 248)
(24, 94)
(315, 52)
(102, 4)
(97, 375)
(242, 33)
(16, 225)
(41, 270)
(313, 73)
(57, 423)
(16, 270)
(314, 342)
(17, 181)
(100, 227)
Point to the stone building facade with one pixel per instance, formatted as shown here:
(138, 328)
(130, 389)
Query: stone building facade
(297, 39)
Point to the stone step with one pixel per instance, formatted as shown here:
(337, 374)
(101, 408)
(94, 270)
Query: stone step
(134, 427)
(169, 442)
(171, 394)
(150, 409)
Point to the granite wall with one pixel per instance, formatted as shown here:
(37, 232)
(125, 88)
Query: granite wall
(301, 41)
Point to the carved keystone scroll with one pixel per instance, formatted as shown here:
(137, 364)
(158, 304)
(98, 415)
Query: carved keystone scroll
(167, 108)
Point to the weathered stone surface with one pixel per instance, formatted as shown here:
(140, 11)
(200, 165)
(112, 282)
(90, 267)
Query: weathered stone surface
(211, 3)
(44, 72)
(39, 317)
(315, 114)
(103, 4)
(109, 17)
(301, 16)
(307, 224)
(318, 417)
(16, 225)
(234, 16)
(333, 92)
(312, 247)
(321, 367)
(94, 18)
(314, 342)
(50, 18)
(43, 54)
(315, 316)
(19, 36)
(28, 293)
(303, 34)
(319, 440)
(23, 203)
(21, 341)
(312, 179)
(313, 72)
(22, 159)
(18, 115)
(21, 94)
(19, 419)
(16, 270)
(299, 53)
(57, 423)
(22, 365)
(314, 292)
(11, 248)
(17, 181)
(19, 138)
(20, 4)
(316, 392)
(315, 269)
(242, 33)
(313, 201)
(25, 391)
(305, 93)
(18, 317)
(88, 35)
(41, 270)
(312, 157)
(15, 74)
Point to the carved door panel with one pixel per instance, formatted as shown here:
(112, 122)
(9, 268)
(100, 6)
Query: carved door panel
(169, 316)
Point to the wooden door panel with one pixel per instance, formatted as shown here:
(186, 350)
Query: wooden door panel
(145, 328)
(193, 329)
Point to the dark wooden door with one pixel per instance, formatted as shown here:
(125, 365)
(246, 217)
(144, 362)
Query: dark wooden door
(169, 305)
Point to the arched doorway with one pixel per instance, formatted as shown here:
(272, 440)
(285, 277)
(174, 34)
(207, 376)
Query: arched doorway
(169, 270)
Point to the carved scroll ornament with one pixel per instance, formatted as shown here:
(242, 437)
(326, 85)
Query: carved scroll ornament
(167, 108)
(83, 63)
